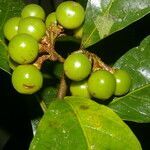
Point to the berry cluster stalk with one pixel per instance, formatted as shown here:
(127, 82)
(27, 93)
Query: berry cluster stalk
(48, 52)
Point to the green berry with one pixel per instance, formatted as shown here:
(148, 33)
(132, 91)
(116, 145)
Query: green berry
(23, 48)
(123, 82)
(77, 66)
(12, 64)
(51, 19)
(33, 10)
(11, 27)
(32, 26)
(80, 88)
(78, 32)
(70, 14)
(27, 79)
(101, 84)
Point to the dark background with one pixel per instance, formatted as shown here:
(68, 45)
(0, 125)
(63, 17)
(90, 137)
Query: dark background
(16, 110)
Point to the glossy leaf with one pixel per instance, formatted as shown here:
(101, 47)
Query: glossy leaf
(4, 137)
(4, 57)
(82, 2)
(34, 124)
(135, 106)
(8, 9)
(104, 17)
(48, 94)
(79, 124)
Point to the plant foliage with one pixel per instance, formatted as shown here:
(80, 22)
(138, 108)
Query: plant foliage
(77, 122)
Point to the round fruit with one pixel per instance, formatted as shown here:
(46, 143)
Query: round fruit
(70, 14)
(77, 66)
(33, 26)
(27, 79)
(101, 84)
(80, 88)
(33, 10)
(123, 82)
(51, 19)
(78, 32)
(11, 27)
(12, 64)
(23, 48)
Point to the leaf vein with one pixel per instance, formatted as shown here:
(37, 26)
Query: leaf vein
(89, 37)
(130, 93)
(140, 112)
(78, 118)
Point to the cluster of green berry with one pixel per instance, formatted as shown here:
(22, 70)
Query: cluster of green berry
(100, 84)
(24, 34)
(69, 14)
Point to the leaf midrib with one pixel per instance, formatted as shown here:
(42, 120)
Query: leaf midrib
(84, 132)
(132, 92)
(147, 116)
(105, 13)
(139, 112)
(78, 118)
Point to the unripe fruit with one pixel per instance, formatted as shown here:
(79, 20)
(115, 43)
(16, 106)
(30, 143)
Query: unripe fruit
(27, 79)
(11, 27)
(77, 66)
(51, 19)
(23, 48)
(123, 82)
(33, 10)
(12, 64)
(101, 84)
(80, 88)
(78, 32)
(32, 26)
(70, 14)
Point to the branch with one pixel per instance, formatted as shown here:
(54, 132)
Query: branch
(62, 88)
(97, 62)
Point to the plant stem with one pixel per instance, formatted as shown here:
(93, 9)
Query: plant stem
(47, 46)
(43, 106)
(62, 87)
(97, 62)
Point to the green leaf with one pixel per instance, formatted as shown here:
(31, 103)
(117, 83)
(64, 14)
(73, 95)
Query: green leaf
(68, 38)
(8, 9)
(82, 2)
(4, 137)
(4, 65)
(77, 123)
(48, 94)
(135, 106)
(104, 17)
(34, 124)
